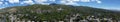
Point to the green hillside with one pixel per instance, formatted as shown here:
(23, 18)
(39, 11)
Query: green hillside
(57, 12)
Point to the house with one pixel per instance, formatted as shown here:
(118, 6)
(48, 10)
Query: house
(61, 21)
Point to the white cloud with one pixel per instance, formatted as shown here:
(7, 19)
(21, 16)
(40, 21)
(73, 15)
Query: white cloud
(68, 2)
(74, 2)
(99, 2)
(27, 2)
(52, 0)
(40, 1)
(5, 3)
(1, 3)
(13, 1)
(45, 3)
(85, 1)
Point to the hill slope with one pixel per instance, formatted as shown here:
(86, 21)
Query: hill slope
(57, 12)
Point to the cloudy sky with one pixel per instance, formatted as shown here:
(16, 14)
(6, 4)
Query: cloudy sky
(104, 4)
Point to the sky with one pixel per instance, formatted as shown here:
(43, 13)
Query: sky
(103, 4)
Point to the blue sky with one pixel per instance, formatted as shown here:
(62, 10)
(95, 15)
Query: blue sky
(104, 4)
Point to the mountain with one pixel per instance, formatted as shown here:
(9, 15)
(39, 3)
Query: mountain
(57, 12)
